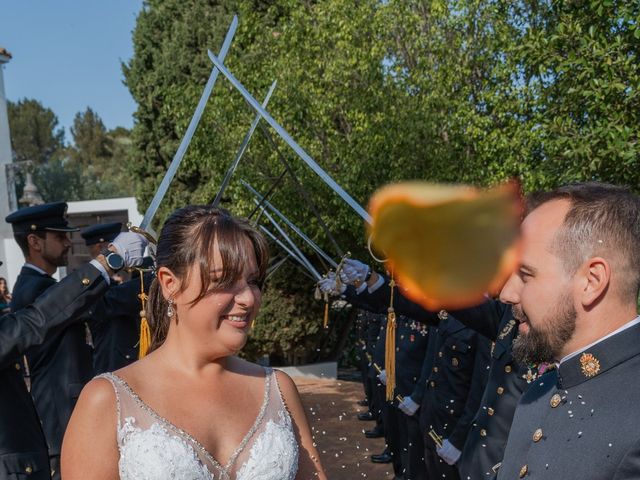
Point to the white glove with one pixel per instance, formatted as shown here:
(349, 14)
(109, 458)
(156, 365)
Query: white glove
(408, 406)
(329, 285)
(449, 453)
(130, 246)
(353, 271)
(383, 377)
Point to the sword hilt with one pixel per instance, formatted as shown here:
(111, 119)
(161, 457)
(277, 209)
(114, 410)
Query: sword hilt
(144, 233)
(437, 439)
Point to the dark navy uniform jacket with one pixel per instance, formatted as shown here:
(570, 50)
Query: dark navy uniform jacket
(411, 346)
(63, 364)
(583, 421)
(115, 325)
(508, 380)
(59, 367)
(23, 449)
(411, 349)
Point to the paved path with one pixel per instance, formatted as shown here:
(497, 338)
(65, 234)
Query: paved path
(331, 408)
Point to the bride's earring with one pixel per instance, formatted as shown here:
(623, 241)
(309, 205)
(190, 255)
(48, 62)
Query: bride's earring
(171, 311)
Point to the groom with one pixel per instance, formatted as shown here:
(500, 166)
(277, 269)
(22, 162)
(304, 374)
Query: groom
(575, 297)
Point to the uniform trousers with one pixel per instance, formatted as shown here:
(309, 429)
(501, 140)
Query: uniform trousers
(415, 465)
(395, 434)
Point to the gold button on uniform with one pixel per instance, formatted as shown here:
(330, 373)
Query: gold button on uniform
(500, 390)
(28, 469)
(433, 384)
(86, 281)
(491, 411)
(537, 435)
(17, 365)
(523, 471)
(455, 362)
(440, 354)
(435, 369)
(507, 369)
(555, 400)
(483, 433)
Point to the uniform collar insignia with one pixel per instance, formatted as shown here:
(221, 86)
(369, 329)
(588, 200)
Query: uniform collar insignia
(599, 358)
(589, 364)
(507, 329)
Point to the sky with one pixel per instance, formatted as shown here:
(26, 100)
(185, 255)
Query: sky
(67, 54)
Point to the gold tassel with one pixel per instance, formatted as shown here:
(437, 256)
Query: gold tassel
(390, 347)
(145, 332)
(325, 322)
(145, 338)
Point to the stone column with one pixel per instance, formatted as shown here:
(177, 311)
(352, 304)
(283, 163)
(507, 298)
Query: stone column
(9, 252)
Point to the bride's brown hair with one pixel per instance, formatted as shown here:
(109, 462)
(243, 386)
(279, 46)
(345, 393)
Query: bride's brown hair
(186, 240)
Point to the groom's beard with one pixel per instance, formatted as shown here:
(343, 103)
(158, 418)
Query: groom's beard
(544, 343)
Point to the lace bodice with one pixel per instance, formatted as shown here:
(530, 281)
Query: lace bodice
(152, 448)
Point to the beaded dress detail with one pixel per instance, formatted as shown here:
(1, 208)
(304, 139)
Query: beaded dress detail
(152, 448)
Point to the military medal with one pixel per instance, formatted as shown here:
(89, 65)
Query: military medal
(589, 364)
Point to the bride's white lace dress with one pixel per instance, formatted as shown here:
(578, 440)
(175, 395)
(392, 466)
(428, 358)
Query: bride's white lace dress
(152, 448)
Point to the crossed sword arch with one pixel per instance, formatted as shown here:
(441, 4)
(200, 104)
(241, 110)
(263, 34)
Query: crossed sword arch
(262, 204)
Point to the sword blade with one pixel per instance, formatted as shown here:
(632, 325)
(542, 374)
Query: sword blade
(273, 269)
(243, 148)
(287, 249)
(291, 243)
(291, 225)
(290, 141)
(193, 124)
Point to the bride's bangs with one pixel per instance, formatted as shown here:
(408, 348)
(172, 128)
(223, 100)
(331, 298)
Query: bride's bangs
(238, 242)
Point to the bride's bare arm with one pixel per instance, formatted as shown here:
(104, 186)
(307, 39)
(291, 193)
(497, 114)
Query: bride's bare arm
(90, 449)
(309, 467)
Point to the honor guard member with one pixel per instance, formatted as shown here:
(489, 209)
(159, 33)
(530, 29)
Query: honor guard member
(368, 324)
(63, 363)
(412, 340)
(115, 325)
(575, 295)
(453, 390)
(508, 379)
(23, 447)
(370, 332)
(400, 420)
(98, 237)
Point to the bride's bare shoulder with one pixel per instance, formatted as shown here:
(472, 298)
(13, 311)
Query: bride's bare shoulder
(97, 394)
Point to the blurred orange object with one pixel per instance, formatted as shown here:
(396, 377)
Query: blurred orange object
(447, 245)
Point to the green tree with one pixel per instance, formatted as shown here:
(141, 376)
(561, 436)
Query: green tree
(102, 156)
(92, 146)
(60, 180)
(35, 135)
(472, 91)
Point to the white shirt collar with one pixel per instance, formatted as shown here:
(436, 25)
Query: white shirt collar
(629, 324)
(33, 267)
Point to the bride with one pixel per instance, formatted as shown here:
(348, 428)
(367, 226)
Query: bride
(191, 409)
